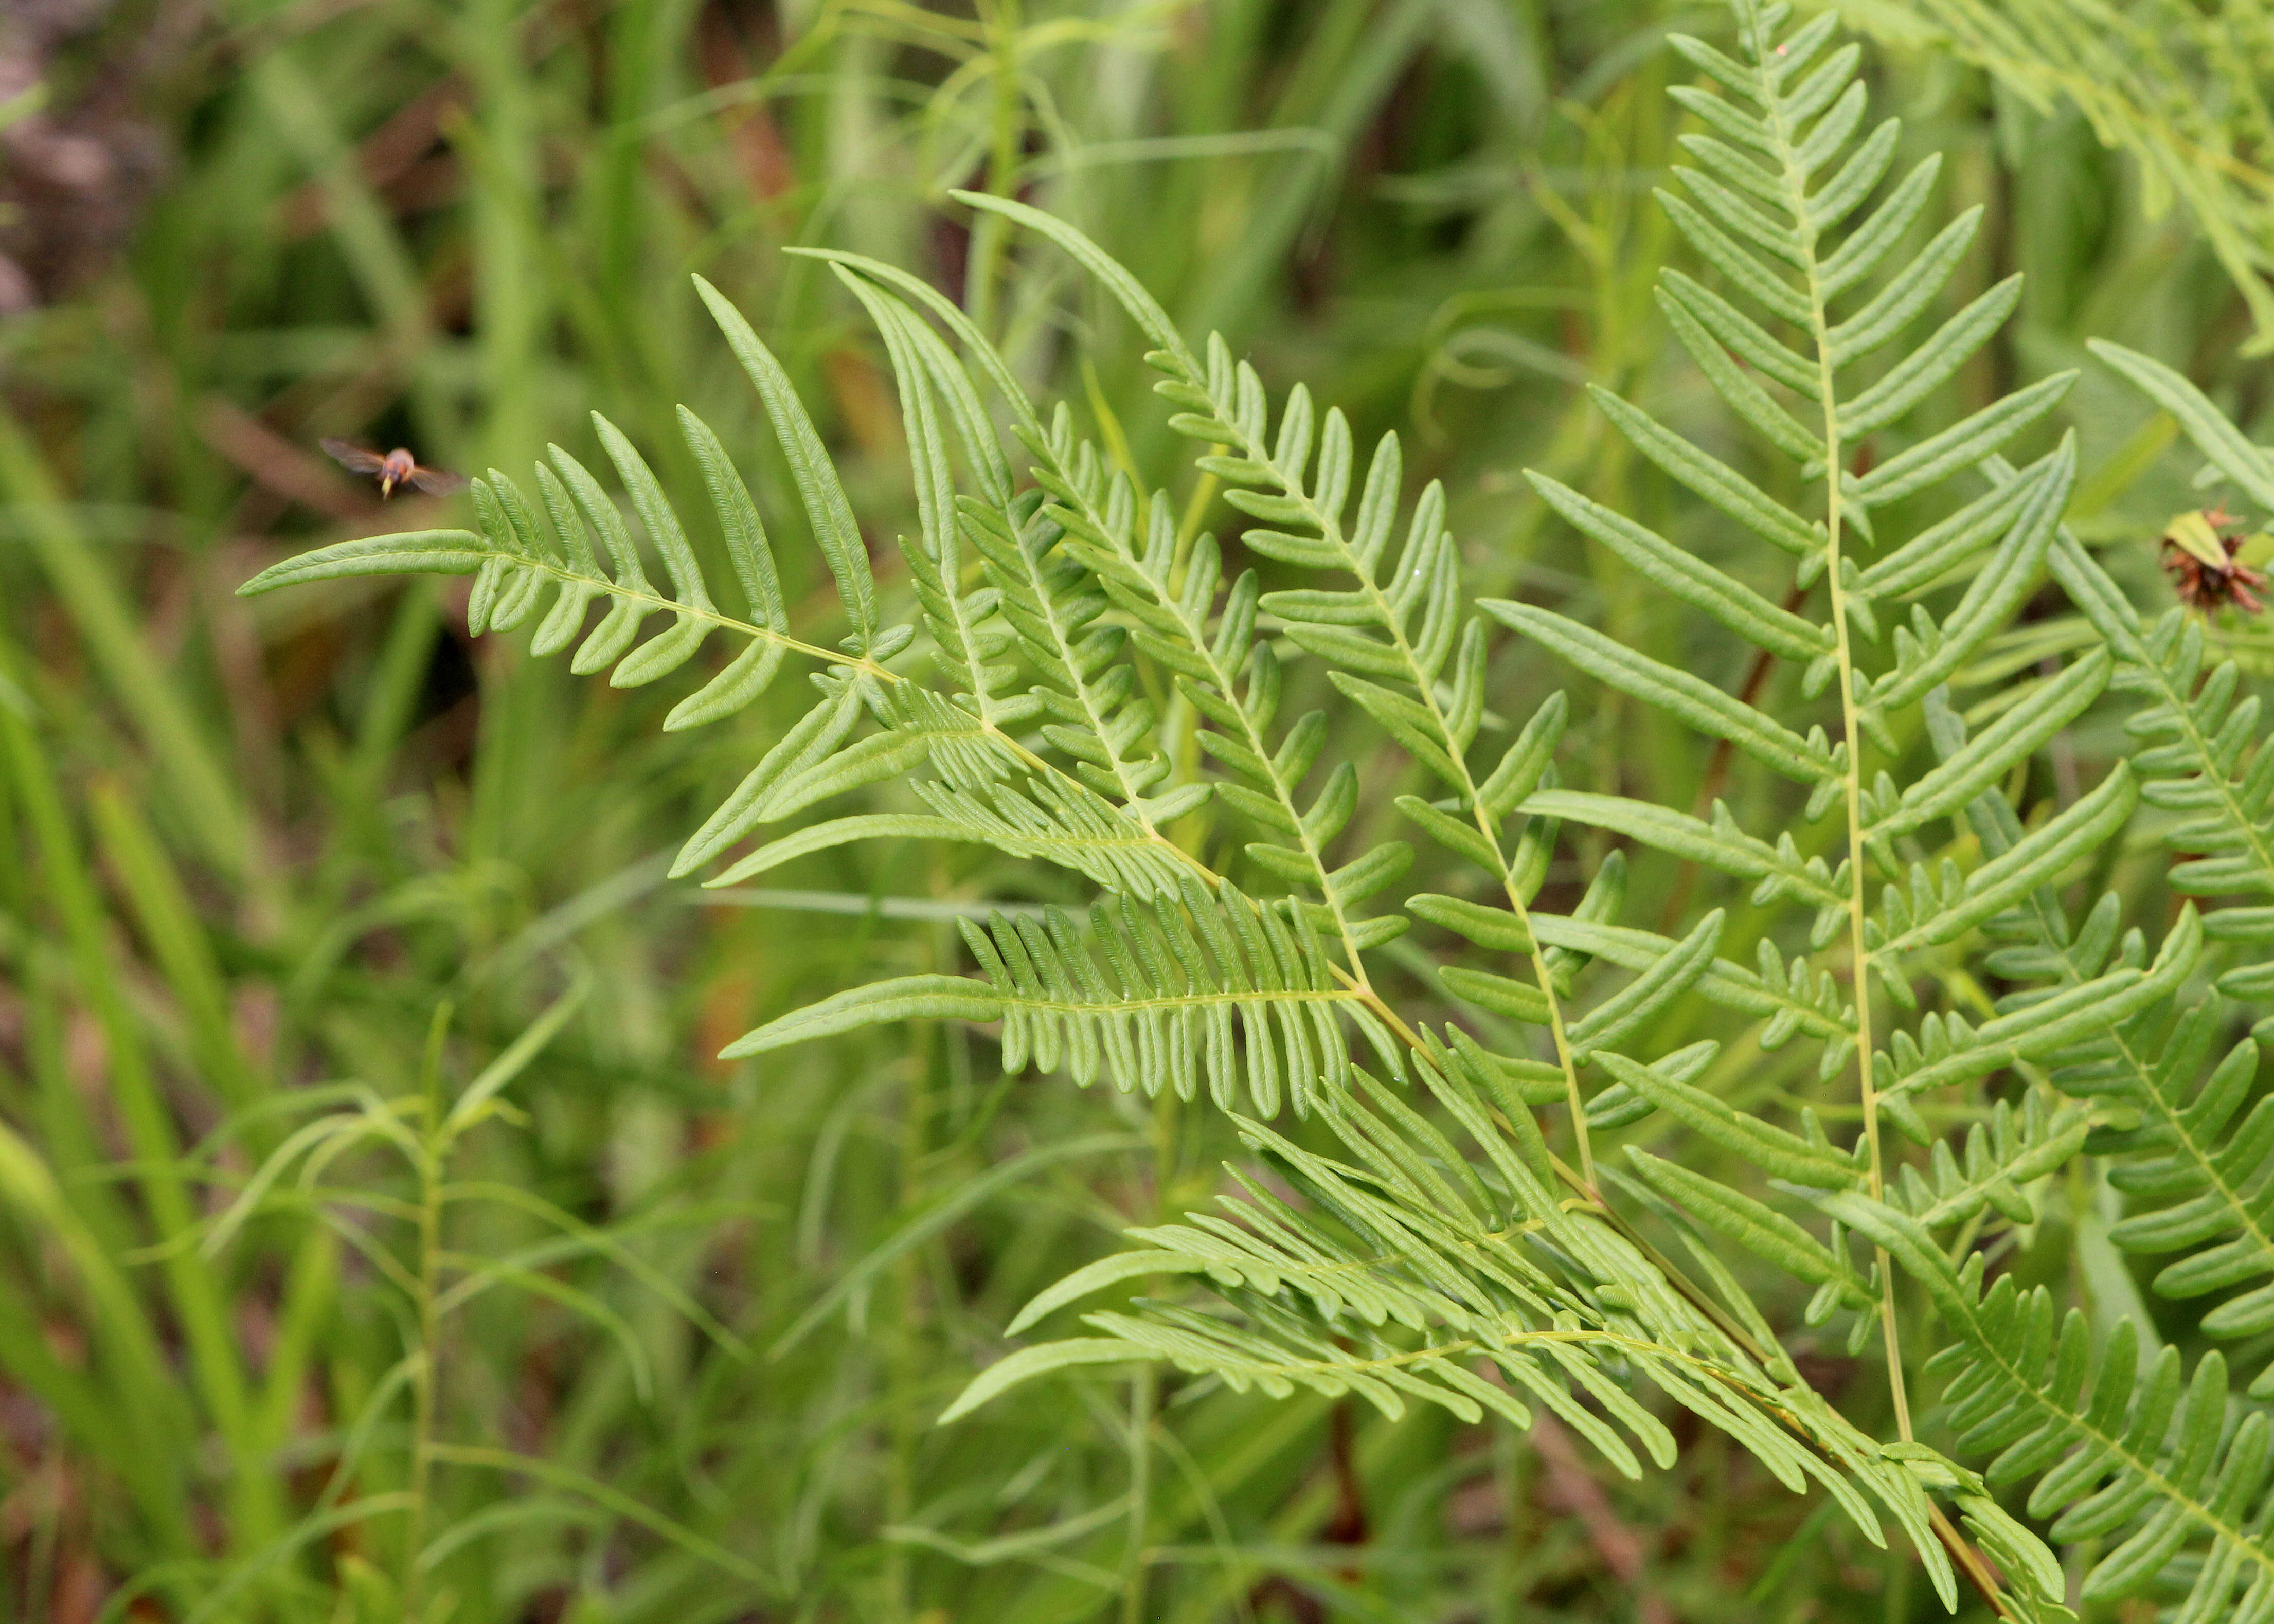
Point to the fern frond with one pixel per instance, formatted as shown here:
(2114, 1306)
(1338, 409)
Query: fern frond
(1810, 1161)
(2127, 1044)
(2200, 1160)
(1423, 1245)
(1775, 181)
(806, 763)
(1226, 673)
(1171, 595)
(1810, 761)
(1387, 642)
(827, 508)
(1754, 1225)
(967, 646)
(1045, 597)
(995, 788)
(1944, 548)
(1683, 574)
(514, 559)
(1756, 212)
(2178, 88)
(405, 552)
(2229, 449)
(1719, 844)
(1096, 718)
(2199, 759)
(1401, 1271)
(2098, 983)
(1220, 988)
(1788, 997)
(2001, 1156)
(1928, 650)
(2147, 1464)
(1053, 822)
(1943, 906)
(2201, 754)
(1979, 765)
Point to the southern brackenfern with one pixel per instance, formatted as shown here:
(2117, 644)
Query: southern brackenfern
(1440, 1225)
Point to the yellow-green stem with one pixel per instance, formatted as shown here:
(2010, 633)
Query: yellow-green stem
(990, 231)
(1851, 732)
(1144, 1386)
(425, 1374)
(908, 1353)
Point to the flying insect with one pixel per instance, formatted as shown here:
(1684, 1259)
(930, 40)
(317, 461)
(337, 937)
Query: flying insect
(396, 468)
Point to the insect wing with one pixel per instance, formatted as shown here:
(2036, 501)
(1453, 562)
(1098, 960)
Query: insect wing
(437, 481)
(354, 458)
(2192, 534)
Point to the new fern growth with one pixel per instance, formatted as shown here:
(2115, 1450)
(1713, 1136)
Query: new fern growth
(1061, 669)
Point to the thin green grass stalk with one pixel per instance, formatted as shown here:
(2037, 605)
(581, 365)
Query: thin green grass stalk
(167, 916)
(908, 1339)
(1144, 1384)
(138, 682)
(1006, 131)
(426, 1354)
(195, 1292)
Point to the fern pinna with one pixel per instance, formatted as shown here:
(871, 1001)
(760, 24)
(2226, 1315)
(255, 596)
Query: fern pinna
(1077, 678)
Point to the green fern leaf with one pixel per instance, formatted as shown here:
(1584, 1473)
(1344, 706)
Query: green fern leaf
(2142, 1466)
(827, 508)
(1182, 987)
(1685, 576)
(2001, 1156)
(1904, 926)
(2015, 737)
(1699, 703)
(411, 552)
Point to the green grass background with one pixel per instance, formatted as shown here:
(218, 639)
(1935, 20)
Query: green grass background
(249, 851)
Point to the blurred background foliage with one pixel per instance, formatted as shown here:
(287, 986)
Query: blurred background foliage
(266, 867)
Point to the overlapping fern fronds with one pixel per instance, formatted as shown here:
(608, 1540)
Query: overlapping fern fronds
(2183, 89)
(2174, 1063)
(1078, 671)
(1181, 977)
(1393, 1274)
(1780, 178)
